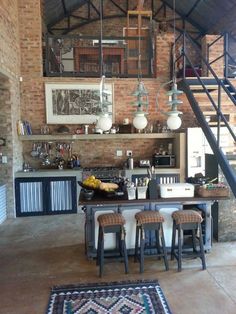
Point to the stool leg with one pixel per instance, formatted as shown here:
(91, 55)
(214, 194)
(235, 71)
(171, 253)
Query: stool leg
(194, 240)
(124, 251)
(164, 247)
(158, 242)
(173, 240)
(99, 245)
(142, 245)
(201, 247)
(179, 248)
(101, 259)
(136, 244)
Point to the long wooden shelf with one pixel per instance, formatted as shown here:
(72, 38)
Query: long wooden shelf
(118, 136)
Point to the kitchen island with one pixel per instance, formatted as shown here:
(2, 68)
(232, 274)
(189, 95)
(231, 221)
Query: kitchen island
(101, 204)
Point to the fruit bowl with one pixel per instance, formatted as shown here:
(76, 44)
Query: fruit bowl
(112, 193)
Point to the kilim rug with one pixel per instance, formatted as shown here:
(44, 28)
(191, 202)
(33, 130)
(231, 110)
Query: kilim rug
(126, 297)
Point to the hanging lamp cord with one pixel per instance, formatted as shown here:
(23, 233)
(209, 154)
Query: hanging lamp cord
(174, 57)
(101, 36)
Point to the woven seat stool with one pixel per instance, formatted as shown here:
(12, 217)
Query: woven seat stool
(187, 220)
(111, 223)
(149, 220)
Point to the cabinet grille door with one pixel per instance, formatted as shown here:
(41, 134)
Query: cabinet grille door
(61, 197)
(31, 197)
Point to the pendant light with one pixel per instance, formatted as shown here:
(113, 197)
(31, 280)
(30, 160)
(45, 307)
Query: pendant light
(174, 121)
(104, 121)
(140, 121)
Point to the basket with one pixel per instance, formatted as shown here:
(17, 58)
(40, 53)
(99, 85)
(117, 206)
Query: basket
(213, 191)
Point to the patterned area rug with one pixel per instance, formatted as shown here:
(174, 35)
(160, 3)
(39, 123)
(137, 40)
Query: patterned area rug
(126, 297)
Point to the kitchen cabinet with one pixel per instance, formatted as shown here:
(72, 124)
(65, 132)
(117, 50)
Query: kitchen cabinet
(45, 195)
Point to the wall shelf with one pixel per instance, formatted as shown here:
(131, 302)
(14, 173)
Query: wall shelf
(118, 136)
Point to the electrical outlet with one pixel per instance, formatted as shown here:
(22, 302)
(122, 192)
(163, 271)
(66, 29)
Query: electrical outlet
(4, 159)
(119, 153)
(129, 153)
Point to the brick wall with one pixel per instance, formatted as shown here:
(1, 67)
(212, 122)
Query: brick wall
(10, 96)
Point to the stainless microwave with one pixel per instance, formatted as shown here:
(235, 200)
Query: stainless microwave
(163, 161)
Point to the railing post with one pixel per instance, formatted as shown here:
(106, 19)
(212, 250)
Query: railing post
(184, 57)
(226, 51)
(47, 55)
(218, 116)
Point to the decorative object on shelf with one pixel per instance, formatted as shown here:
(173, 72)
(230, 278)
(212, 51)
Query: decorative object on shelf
(104, 121)
(75, 103)
(2, 141)
(63, 129)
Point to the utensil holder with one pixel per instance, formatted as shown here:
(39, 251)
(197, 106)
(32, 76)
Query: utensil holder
(141, 192)
(131, 192)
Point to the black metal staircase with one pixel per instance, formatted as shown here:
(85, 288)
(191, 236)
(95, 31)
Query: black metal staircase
(220, 96)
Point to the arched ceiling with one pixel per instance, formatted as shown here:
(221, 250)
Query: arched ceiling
(207, 16)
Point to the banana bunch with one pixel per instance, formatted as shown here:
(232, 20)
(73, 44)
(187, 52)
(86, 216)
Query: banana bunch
(92, 182)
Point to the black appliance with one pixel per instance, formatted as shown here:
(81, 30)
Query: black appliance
(163, 161)
(105, 174)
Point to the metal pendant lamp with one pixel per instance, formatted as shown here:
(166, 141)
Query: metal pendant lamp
(104, 121)
(140, 120)
(174, 121)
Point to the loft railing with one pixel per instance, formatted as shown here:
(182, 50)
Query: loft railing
(80, 56)
(190, 57)
(228, 55)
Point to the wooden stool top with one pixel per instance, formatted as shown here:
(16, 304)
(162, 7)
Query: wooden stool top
(148, 216)
(186, 216)
(111, 219)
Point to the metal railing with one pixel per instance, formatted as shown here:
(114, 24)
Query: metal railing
(81, 56)
(227, 56)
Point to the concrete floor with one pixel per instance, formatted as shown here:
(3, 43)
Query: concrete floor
(37, 253)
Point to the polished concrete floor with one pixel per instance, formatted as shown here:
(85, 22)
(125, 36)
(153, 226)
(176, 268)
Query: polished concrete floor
(37, 253)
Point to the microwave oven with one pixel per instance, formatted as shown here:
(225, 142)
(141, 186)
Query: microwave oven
(163, 161)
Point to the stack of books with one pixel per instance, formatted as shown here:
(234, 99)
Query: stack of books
(24, 128)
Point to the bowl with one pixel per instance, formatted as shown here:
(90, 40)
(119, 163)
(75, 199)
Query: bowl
(87, 194)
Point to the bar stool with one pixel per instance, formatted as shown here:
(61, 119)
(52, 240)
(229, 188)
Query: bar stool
(149, 220)
(187, 220)
(111, 223)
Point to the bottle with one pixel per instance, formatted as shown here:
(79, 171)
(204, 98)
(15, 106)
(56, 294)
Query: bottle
(130, 163)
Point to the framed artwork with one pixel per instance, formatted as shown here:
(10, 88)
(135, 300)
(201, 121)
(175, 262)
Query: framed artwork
(75, 103)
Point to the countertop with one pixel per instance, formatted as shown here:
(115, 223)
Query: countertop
(119, 200)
